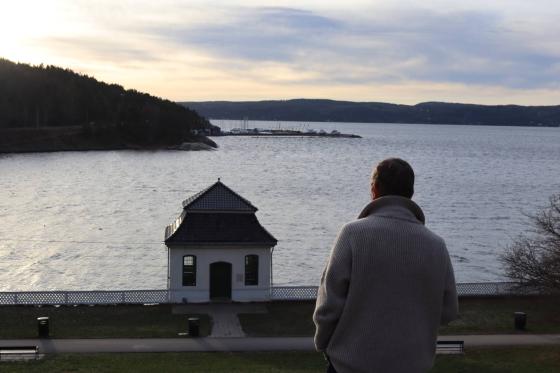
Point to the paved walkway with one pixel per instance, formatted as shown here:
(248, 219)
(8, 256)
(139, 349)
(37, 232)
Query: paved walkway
(225, 323)
(50, 346)
(504, 340)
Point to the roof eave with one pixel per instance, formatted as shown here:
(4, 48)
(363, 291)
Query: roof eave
(209, 211)
(206, 243)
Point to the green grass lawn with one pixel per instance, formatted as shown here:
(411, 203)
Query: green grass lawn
(97, 322)
(502, 360)
(477, 316)
(518, 360)
(495, 315)
(282, 319)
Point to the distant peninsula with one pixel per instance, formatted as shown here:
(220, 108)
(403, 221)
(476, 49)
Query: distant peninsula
(316, 110)
(48, 108)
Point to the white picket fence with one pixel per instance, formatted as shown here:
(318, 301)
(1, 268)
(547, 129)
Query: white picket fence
(465, 289)
(84, 297)
(280, 293)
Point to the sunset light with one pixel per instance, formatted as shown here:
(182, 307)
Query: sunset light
(378, 51)
(403, 155)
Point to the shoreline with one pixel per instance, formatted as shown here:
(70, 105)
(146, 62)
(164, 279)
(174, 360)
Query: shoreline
(156, 149)
(413, 123)
(77, 138)
(329, 135)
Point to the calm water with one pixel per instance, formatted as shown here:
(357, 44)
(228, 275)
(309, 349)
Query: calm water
(95, 220)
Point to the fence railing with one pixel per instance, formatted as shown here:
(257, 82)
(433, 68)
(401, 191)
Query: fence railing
(465, 289)
(488, 289)
(475, 289)
(293, 292)
(84, 297)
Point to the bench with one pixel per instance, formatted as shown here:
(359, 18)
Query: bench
(450, 347)
(10, 353)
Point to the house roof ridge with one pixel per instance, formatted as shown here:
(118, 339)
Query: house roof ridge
(218, 214)
(189, 202)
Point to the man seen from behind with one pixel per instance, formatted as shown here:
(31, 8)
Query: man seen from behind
(387, 286)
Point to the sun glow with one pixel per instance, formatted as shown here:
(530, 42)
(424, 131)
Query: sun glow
(24, 24)
(250, 50)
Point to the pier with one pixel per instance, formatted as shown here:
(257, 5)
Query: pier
(255, 132)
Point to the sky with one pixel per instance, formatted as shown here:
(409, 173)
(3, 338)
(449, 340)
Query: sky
(408, 51)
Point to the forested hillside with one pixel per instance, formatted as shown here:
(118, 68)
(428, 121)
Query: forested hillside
(48, 101)
(377, 112)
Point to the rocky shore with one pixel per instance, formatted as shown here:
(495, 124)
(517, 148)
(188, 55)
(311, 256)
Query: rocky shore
(75, 138)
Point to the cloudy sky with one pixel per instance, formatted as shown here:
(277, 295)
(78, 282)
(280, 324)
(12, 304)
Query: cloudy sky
(409, 51)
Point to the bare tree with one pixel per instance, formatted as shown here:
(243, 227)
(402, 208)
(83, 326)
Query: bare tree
(534, 262)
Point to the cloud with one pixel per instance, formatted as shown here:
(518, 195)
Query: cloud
(100, 50)
(241, 49)
(256, 34)
(468, 47)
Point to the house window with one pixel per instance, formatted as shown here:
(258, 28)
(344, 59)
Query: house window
(251, 270)
(189, 270)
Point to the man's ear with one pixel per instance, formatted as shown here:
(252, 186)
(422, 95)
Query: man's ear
(374, 191)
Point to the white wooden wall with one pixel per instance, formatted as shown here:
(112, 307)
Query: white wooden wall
(208, 255)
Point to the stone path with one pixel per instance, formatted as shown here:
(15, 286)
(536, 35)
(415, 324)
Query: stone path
(50, 346)
(225, 323)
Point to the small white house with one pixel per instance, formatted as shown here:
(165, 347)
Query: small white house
(218, 251)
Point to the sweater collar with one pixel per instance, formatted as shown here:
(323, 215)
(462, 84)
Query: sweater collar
(395, 207)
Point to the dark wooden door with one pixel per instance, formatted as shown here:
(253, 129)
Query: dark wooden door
(220, 281)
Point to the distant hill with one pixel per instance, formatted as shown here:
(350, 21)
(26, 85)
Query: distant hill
(49, 108)
(376, 112)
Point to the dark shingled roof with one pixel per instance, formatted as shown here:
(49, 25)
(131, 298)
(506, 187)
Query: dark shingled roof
(218, 197)
(216, 228)
(218, 215)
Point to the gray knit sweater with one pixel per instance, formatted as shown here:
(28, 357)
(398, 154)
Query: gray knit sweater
(387, 287)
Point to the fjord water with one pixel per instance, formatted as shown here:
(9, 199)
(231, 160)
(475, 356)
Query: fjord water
(95, 220)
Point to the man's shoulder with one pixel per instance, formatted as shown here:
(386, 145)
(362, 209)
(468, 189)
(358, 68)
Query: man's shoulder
(360, 227)
(434, 237)
(371, 225)
(356, 225)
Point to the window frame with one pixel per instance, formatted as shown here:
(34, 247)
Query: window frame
(251, 270)
(189, 270)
